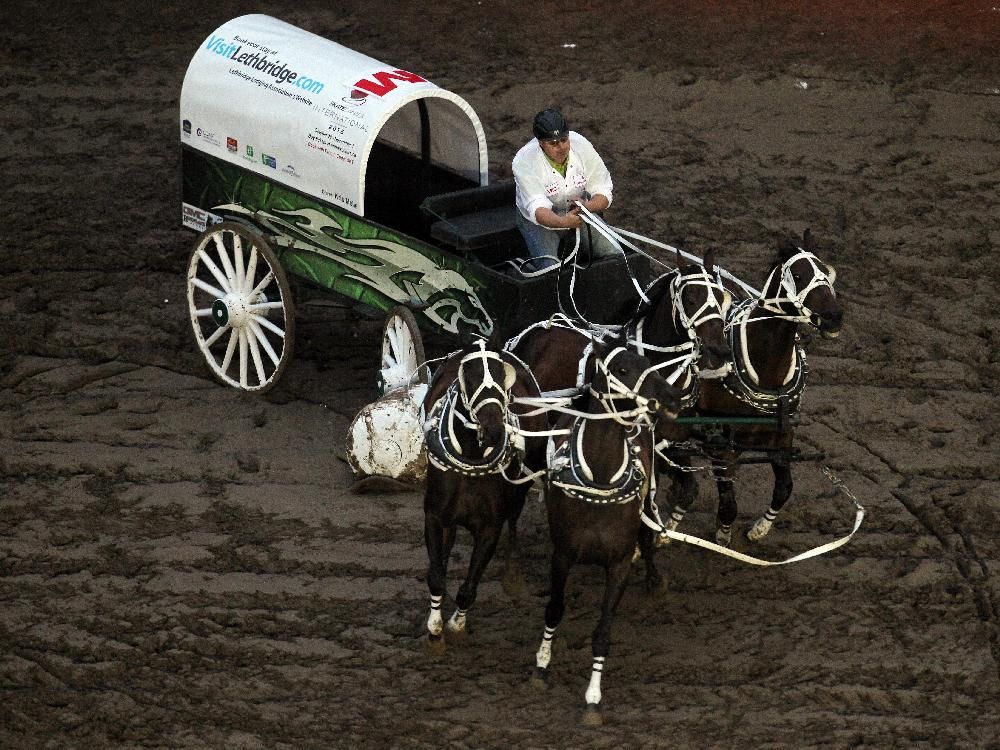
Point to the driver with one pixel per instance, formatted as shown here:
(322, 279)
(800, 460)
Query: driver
(552, 171)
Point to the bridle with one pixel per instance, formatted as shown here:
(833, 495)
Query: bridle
(460, 406)
(474, 402)
(686, 354)
(617, 390)
(792, 294)
(569, 469)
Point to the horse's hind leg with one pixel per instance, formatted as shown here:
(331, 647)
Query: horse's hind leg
(485, 545)
(554, 611)
(512, 580)
(684, 490)
(726, 514)
(782, 491)
(614, 587)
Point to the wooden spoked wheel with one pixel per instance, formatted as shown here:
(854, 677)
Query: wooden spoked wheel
(402, 352)
(241, 307)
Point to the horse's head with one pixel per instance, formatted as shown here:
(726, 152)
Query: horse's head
(627, 382)
(484, 382)
(700, 304)
(800, 288)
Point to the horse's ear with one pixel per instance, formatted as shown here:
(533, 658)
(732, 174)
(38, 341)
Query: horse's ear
(680, 260)
(808, 242)
(786, 250)
(710, 260)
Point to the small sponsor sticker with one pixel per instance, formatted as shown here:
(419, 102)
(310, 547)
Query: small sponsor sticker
(196, 218)
(232, 145)
(269, 161)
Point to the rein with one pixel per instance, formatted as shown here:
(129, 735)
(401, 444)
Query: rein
(657, 526)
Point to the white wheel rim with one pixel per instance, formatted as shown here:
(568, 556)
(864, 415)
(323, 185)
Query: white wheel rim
(238, 309)
(399, 355)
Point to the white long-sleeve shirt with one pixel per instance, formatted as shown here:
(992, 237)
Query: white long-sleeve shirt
(539, 185)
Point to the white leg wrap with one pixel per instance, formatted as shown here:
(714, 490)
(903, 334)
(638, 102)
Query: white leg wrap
(593, 695)
(457, 622)
(676, 516)
(724, 535)
(759, 530)
(544, 655)
(434, 621)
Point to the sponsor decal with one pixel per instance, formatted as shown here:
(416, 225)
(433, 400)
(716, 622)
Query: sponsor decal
(385, 81)
(269, 161)
(186, 127)
(207, 136)
(263, 60)
(248, 153)
(232, 145)
(196, 218)
(289, 169)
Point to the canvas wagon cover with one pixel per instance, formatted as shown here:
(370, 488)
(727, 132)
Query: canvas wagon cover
(305, 111)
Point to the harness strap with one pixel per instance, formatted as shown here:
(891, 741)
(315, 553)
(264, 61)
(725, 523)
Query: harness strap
(814, 552)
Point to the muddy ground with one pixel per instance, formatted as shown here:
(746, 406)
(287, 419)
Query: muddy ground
(182, 566)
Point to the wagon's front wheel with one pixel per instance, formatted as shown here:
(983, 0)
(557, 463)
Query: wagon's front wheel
(402, 352)
(241, 307)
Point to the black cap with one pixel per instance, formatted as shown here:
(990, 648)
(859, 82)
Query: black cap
(549, 123)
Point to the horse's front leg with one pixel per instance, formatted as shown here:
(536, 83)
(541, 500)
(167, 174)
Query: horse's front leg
(726, 515)
(553, 614)
(782, 470)
(435, 539)
(647, 548)
(484, 547)
(512, 580)
(614, 586)
(684, 491)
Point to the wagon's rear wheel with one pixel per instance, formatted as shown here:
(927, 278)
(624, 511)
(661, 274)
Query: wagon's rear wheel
(402, 352)
(241, 307)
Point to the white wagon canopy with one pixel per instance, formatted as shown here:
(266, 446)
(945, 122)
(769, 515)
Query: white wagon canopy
(325, 120)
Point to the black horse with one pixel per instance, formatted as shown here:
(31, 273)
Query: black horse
(767, 378)
(599, 477)
(479, 467)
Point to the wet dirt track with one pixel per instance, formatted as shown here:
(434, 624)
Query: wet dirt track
(182, 566)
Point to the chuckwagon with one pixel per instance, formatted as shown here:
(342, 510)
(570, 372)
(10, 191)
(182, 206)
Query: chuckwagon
(306, 163)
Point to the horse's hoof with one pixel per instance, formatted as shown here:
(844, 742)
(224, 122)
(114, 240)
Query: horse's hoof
(434, 645)
(723, 536)
(539, 679)
(636, 555)
(592, 716)
(759, 530)
(458, 636)
(662, 540)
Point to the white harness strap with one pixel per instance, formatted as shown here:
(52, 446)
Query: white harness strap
(859, 516)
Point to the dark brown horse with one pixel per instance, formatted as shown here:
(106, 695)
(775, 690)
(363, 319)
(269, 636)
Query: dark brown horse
(767, 377)
(679, 328)
(599, 477)
(477, 467)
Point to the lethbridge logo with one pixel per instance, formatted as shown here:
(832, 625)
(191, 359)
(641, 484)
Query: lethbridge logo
(385, 81)
(260, 62)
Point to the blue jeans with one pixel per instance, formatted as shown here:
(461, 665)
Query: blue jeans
(543, 242)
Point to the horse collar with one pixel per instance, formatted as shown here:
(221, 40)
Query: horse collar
(742, 380)
(443, 448)
(569, 471)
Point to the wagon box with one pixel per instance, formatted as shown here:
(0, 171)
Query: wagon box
(303, 159)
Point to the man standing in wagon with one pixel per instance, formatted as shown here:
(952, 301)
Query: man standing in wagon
(552, 172)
